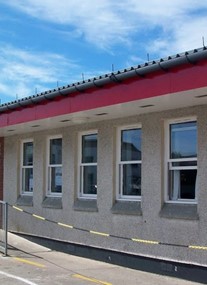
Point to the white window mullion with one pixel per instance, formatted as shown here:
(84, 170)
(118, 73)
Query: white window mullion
(130, 162)
(182, 159)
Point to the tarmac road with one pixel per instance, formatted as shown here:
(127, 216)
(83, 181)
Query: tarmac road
(32, 264)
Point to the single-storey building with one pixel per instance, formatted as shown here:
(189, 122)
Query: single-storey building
(115, 162)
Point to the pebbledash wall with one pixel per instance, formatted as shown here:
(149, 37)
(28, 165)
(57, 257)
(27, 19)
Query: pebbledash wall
(151, 222)
(153, 217)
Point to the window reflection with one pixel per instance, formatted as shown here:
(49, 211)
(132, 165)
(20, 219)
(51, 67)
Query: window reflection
(56, 151)
(182, 184)
(132, 179)
(183, 140)
(90, 179)
(131, 145)
(56, 179)
(89, 148)
(28, 153)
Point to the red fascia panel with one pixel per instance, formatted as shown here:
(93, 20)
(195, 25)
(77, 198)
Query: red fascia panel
(3, 119)
(21, 115)
(179, 79)
(141, 88)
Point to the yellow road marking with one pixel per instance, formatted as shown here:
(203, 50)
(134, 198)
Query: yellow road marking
(198, 247)
(18, 209)
(90, 279)
(145, 241)
(98, 233)
(64, 225)
(38, 217)
(29, 262)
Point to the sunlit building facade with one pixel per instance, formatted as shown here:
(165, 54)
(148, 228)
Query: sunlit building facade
(116, 162)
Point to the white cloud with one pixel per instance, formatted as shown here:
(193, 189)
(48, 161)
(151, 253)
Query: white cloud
(157, 27)
(160, 12)
(4, 88)
(105, 23)
(25, 73)
(135, 60)
(189, 35)
(170, 27)
(98, 22)
(23, 68)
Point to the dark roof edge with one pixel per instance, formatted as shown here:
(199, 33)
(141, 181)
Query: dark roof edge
(165, 64)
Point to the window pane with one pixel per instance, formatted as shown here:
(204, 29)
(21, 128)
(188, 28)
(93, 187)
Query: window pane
(56, 151)
(182, 184)
(132, 179)
(27, 179)
(90, 179)
(131, 145)
(89, 148)
(183, 140)
(56, 179)
(28, 153)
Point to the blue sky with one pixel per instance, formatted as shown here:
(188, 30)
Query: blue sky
(45, 43)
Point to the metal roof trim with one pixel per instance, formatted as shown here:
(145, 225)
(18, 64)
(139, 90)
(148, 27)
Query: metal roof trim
(190, 57)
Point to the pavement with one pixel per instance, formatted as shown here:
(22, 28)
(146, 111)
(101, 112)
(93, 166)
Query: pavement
(30, 263)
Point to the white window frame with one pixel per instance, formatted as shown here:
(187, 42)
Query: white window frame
(168, 161)
(22, 183)
(82, 195)
(50, 166)
(119, 173)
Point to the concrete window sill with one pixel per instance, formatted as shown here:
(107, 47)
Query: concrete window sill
(52, 202)
(179, 211)
(127, 208)
(24, 200)
(85, 205)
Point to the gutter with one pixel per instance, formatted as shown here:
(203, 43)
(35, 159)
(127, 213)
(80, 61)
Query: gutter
(190, 57)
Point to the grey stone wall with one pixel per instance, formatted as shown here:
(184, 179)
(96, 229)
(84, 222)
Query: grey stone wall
(150, 220)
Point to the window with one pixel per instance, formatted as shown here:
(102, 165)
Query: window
(88, 165)
(27, 168)
(55, 166)
(182, 161)
(129, 163)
